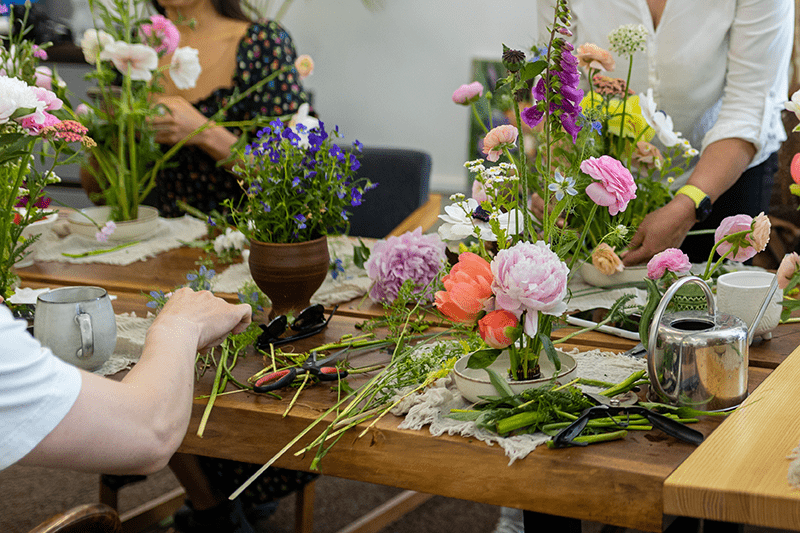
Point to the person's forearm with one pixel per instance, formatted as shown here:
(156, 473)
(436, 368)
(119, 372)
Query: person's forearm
(720, 165)
(216, 141)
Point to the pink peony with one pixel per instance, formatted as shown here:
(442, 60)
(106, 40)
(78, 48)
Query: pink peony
(498, 329)
(468, 286)
(411, 256)
(729, 226)
(530, 278)
(162, 34)
(497, 138)
(615, 186)
(671, 259)
(787, 269)
(466, 94)
(592, 56)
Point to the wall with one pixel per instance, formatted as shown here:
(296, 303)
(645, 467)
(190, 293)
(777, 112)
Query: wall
(386, 77)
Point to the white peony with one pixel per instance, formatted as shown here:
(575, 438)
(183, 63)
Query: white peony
(184, 69)
(93, 42)
(140, 59)
(19, 100)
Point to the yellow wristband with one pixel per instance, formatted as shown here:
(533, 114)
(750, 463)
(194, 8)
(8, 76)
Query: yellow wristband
(694, 193)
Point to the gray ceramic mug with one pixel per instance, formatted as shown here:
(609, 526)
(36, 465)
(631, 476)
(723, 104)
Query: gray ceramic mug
(77, 324)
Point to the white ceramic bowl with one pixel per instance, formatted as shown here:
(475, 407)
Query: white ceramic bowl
(472, 383)
(131, 230)
(37, 228)
(631, 274)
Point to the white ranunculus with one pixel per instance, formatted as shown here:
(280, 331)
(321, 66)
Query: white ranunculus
(658, 120)
(139, 58)
(93, 42)
(19, 100)
(184, 69)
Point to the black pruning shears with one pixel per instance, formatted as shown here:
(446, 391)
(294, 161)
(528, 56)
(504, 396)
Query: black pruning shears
(317, 368)
(623, 405)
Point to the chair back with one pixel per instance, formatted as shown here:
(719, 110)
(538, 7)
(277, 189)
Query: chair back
(88, 518)
(403, 177)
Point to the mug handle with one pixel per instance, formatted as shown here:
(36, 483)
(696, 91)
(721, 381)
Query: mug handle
(84, 321)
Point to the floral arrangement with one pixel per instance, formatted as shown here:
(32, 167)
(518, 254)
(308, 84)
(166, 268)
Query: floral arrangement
(126, 54)
(410, 258)
(298, 183)
(512, 280)
(738, 238)
(30, 131)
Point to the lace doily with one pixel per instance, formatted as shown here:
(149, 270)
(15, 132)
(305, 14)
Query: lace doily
(170, 233)
(431, 408)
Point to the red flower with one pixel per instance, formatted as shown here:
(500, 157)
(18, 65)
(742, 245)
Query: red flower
(499, 329)
(17, 218)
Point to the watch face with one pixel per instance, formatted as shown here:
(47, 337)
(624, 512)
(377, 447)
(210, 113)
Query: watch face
(703, 210)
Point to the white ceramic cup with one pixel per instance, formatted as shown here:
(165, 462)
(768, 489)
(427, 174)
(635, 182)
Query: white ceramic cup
(742, 293)
(77, 324)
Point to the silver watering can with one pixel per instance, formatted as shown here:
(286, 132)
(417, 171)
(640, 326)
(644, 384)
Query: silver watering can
(699, 359)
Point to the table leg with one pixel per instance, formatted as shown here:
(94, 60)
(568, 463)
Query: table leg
(545, 522)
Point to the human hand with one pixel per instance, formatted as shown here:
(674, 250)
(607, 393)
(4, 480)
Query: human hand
(663, 228)
(213, 317)
(180, 118)
(536, 204)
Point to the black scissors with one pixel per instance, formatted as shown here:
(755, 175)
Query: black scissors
(283, 378)
(624, 405)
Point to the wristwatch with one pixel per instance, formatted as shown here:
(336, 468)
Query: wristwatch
(702, 203)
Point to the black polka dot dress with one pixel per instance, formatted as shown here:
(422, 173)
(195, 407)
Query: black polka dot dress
(191, 174)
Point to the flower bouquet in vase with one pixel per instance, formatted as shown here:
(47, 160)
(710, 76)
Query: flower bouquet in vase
(512, 275)
(125, 54)
(298, 186)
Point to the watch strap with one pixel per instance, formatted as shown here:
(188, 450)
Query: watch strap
(696, 194)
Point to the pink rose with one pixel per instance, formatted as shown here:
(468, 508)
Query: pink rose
(786, 270)
(498, 329)
(466, 94)
(592, 56)
(497, 138)
(530, 278)
(615, 186)
(467, 288)
(671, 259)
(729, 226)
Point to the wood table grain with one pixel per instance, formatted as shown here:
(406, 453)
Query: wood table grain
(619, 483)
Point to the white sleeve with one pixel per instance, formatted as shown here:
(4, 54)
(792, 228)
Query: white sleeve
(757, 80)
(37, 389)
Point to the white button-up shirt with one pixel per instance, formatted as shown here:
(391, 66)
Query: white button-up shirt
(719, 68)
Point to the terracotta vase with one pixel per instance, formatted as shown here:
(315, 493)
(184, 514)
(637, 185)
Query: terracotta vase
(289, 274)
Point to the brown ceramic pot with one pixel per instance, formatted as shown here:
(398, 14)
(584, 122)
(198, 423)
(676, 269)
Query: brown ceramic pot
(289, 274)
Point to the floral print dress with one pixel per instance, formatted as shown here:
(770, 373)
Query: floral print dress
(192, 175)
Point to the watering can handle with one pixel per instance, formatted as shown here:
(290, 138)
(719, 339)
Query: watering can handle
(659, 313)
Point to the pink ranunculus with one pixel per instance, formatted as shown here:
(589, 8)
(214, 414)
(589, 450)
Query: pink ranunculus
(592, 56)
(304, 66)
(795, 168)
(497, 138)
(614, 187)
(787, 268)
(161, 34)
(468, 286)
(468, 93)
(760, 236)
(499, 329)
(479, 191)
(530, 278)
(671, 259)
(410, 256)
(729, 226)
(606, 260)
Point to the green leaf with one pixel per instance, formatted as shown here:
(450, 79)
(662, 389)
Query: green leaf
(532, 69)
(360, 254)
(500, 384)
(550, 350)
(653, 299)
(482, 358)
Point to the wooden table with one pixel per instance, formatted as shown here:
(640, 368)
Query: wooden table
(620, 483)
